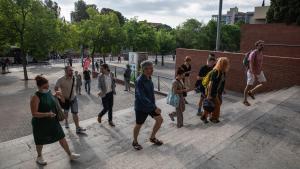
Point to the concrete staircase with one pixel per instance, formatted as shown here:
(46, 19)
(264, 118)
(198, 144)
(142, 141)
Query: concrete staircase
(263, 136)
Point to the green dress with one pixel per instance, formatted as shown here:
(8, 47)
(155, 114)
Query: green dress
(46, 130)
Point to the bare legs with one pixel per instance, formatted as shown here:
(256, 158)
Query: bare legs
(156, 127)
(252, 91)
(63, 142)
(158, 121)
(39, 149)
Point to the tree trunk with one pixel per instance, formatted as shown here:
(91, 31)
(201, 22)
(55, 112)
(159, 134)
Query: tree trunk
(23, 56)
(162, 60)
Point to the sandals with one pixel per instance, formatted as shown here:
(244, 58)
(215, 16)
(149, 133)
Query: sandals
(136, 146)
(251, 95)
(246, 103)
(155, 141)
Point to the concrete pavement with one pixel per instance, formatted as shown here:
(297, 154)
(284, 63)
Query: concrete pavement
(263, 136)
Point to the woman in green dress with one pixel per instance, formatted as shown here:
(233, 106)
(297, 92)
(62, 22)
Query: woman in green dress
(46, 127)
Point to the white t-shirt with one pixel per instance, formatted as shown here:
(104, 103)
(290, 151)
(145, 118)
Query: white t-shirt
(108, 83)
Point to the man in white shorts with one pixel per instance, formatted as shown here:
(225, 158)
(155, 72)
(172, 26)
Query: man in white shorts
(255, 72)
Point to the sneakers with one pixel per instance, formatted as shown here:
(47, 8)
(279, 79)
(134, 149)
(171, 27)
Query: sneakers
(74, 156)
(80, 130)
(67, 125)
(41, 161)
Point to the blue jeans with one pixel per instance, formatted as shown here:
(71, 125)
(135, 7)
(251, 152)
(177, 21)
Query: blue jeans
(87, 85)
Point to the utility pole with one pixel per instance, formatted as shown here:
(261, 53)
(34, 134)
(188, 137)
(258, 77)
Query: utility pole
(219, 26)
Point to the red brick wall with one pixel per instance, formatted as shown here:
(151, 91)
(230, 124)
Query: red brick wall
(280, 72)
(272, 34)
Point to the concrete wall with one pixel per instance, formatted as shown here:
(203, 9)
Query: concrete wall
(280, 72)
(287, 36)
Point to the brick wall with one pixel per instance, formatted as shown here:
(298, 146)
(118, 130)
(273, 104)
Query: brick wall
(280, 72)
(272, 34)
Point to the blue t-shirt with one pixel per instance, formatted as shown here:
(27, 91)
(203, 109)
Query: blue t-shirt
(144, 95)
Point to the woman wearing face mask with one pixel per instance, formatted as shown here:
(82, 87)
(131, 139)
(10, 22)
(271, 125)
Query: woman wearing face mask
(46, 128)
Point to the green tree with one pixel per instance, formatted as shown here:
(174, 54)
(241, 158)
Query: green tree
(80, 12)
(189, 34)
(166, 43)
(283, 11)
(53, 6)
(140, 36)
(102, 33)
(32, 24)
(121, 18)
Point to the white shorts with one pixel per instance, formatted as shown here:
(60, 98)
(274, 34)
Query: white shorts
(251, 78)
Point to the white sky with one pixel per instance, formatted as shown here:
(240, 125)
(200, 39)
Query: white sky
(171, 12)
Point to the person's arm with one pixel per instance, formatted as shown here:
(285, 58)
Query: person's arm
(34, 104)
(252, 63)
(140, 93)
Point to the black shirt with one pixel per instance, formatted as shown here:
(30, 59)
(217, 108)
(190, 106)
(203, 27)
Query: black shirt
(87, 75)
(204, 70)
(186, 69)
(218, 83)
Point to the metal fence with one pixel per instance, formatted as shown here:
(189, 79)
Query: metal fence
(161, 83)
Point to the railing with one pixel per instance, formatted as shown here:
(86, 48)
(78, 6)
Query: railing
(161, 83)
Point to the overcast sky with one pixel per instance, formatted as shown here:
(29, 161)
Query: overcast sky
(171, 12)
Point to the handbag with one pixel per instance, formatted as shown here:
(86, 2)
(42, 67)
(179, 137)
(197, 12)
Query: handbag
(208, 105)
(173, 99)
(66, 104)
(60, 116)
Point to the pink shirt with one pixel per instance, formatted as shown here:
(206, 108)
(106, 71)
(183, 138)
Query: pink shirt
(256, 61)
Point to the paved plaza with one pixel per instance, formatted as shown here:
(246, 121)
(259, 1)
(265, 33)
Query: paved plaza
(15, 97)
(263, 136)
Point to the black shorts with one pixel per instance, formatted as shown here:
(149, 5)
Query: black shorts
(142, 116)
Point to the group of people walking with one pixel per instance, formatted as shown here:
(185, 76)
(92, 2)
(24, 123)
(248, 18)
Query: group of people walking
(211, 84)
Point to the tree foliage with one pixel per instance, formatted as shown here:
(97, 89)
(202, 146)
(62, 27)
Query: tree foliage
(283, 11)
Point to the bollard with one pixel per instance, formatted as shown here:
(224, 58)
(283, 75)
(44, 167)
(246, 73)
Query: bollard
(158, 83)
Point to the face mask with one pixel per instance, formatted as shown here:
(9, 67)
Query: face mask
(45, 90)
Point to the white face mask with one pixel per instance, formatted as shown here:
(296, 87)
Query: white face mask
(45, 90)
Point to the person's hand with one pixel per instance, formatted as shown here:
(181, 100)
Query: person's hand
(158, 110)
(58, 94)
(100, 94)
(51, 114)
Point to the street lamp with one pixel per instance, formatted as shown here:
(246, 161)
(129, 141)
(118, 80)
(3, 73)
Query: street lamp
(219, 26)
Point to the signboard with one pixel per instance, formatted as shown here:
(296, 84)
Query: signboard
(133, 62)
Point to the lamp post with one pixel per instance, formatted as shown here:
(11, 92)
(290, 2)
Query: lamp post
(219, 26)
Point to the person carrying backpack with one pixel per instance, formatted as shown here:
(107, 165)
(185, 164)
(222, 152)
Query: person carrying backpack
(214, 83)
(204, 70)
(254, 71)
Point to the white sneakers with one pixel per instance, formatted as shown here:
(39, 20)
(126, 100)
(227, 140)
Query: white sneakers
(41, 161)
(74, 156)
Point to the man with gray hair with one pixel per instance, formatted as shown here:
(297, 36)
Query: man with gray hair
(145, 105)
